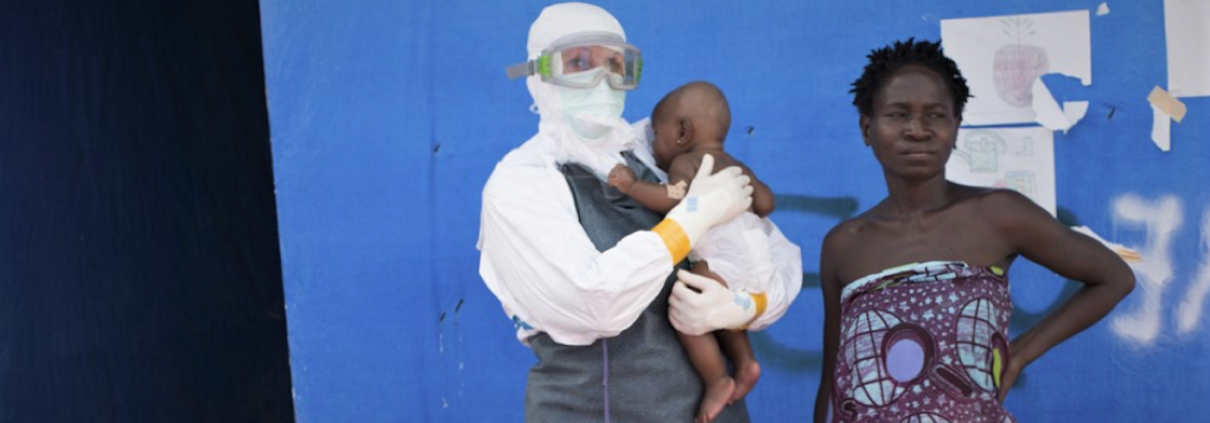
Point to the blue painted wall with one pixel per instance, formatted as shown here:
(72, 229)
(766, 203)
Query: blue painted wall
(387, 117)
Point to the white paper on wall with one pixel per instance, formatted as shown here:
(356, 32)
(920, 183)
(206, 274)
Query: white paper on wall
(1187, 31)
(1075, 110)
(1161, 129)
(1021, 159)
(1048, 113)
(1003, 56)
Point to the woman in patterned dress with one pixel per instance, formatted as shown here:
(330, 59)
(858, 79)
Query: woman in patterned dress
(915, 289)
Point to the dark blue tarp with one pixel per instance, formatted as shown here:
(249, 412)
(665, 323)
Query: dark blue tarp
(140, 277)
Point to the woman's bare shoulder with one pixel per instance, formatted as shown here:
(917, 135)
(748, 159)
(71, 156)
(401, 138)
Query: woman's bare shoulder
(846, 233)
(985, 196)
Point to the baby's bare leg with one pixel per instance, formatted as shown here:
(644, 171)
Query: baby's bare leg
(747, 369)
(707, 359)
(737, 348)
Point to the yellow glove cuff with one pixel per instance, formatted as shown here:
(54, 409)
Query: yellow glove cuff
(677, 242)
(762, 302)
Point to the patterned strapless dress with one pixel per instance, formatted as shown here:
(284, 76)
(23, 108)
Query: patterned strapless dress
(923, 343)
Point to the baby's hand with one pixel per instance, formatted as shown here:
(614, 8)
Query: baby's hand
(621, 177)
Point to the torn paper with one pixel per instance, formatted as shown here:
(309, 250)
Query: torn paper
(1161, 129)
(1021, 159)
(1167, 103)
(1187, 32)
(1003, 56)
(1075, 110)
(1050, 115)
(1046, 109)
(1127, 254)
(1103, 9)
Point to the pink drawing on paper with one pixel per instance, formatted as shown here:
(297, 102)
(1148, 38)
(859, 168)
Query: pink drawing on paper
(1018, 65)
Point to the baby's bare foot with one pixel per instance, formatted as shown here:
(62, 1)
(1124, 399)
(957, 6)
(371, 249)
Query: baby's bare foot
(714, 399)
(746, 375)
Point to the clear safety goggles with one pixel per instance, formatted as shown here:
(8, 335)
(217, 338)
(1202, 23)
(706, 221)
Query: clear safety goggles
(582, 60)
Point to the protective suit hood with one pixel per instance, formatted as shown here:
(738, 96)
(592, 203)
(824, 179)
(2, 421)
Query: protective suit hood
(580, 125)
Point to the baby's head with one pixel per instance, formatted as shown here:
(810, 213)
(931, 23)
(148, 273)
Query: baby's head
(696, 114)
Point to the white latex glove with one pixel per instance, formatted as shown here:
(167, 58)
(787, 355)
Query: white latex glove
(714, 308)
(712, 199)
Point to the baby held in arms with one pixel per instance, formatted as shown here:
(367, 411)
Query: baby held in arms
(689, 123)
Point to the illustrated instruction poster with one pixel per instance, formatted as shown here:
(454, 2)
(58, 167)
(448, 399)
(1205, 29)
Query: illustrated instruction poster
(1003, 56)
(1021, 159)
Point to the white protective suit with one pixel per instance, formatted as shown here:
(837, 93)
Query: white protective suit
(537, 259)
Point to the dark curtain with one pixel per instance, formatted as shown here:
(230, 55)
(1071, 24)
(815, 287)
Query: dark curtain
(140, 277)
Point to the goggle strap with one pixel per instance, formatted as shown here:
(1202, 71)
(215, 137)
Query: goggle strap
(540, 67)
(520, 70)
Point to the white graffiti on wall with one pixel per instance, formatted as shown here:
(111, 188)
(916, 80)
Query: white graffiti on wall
(1189, 312)
(1160, 220)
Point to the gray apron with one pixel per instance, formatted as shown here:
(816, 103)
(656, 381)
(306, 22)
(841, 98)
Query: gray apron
(641, 375)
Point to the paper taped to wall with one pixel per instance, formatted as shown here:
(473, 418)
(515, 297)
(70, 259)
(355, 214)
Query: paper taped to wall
(1021, 159)
(1048, 112)
(1167, 103)
(1187, 32)
(1161, 129)
(1003, 56)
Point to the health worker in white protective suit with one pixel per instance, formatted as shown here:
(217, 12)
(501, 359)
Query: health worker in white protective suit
(584, 272)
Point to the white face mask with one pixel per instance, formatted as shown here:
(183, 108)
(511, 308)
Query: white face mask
(592, 112)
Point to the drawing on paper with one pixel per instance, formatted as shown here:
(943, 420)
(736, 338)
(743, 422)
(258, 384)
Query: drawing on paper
(1020, 159)
(1002, 58)
(1021, 181)
(982, 149)
(1018, 65)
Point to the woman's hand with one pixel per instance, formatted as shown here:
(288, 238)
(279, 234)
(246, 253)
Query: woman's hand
(1012, 369)
(1009, 377)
